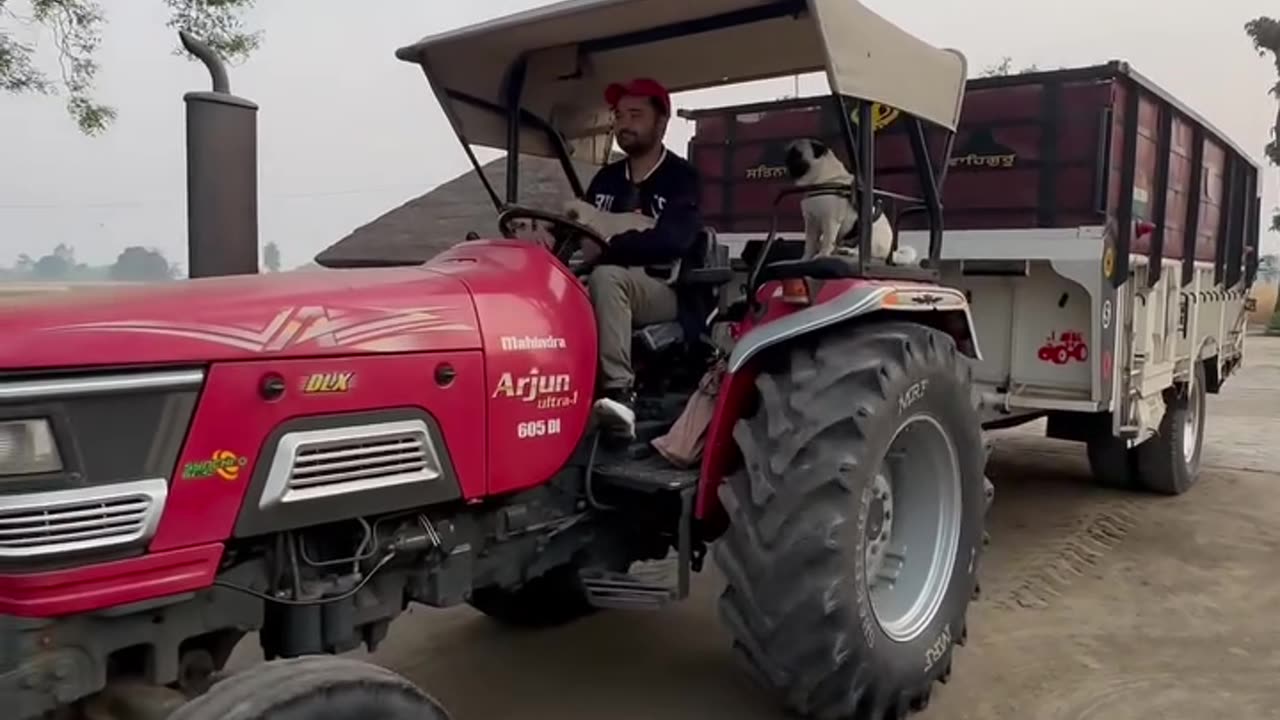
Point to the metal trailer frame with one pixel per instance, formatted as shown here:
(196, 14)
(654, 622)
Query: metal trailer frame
(1145, 317)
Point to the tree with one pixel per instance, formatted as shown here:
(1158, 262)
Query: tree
(57, 265)
(1265, 34)
(139, 264)
(1005, 67)
(76, 29)
(1269, 268)
(271, 257)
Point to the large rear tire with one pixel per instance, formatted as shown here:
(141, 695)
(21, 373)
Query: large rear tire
(315, 687)
(864, 461)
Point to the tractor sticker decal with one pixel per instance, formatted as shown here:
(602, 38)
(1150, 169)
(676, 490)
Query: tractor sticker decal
(295, 326)
(224, 463)
(546, 392)
(982, 150)
(511, 343)
(328, 383)
(1064, 348)
(538, 428)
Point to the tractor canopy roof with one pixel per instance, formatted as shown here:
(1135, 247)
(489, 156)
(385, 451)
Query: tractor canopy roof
(554, 63)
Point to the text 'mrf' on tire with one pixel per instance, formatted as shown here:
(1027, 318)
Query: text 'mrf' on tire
(317, 687)
(856, 522)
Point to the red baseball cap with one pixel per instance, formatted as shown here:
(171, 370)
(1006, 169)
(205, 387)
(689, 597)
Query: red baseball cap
(638, 87)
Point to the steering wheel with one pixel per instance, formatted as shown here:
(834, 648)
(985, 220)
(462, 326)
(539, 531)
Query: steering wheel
(568, 233)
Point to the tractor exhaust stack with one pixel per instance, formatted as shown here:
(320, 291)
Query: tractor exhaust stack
(222, 174)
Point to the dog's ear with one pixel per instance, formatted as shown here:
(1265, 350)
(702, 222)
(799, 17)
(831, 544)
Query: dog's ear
(797, 164)
(818, 147)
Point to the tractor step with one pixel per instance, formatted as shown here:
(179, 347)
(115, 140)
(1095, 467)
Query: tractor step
(620, 591)
(649, 475)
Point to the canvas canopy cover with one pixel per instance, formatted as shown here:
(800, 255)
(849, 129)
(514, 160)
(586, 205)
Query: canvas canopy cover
(572, 50)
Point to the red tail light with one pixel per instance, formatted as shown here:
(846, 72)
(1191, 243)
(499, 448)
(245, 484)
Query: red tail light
(1143, 228)
(795, 291)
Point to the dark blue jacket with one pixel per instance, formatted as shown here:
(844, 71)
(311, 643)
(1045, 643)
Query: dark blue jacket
(670, 194)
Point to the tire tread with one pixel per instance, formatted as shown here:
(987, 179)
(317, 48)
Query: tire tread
(781, 557)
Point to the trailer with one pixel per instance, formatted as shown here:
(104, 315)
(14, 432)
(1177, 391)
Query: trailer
(1105, 234)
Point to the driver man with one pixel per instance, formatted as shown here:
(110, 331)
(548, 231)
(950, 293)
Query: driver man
(626, 289)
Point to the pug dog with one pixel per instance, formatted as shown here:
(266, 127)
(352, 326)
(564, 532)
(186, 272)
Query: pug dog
(828, 219)
(606, 224)
(535, 231)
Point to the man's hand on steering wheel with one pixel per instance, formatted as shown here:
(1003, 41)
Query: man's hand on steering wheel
(567, 233)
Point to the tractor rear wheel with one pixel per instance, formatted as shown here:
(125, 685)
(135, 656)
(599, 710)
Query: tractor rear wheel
(314, 687)
(856, 523)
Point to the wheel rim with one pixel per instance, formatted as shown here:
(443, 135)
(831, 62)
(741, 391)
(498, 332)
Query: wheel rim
(1191, 423)
(913, 528)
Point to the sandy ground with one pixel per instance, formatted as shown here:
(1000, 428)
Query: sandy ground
(1097, 605)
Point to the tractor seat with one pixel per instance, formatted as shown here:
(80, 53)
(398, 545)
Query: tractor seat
(819, 268)
(713, 272)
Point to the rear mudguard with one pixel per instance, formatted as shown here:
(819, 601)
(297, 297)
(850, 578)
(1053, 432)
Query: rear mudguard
(778, 323)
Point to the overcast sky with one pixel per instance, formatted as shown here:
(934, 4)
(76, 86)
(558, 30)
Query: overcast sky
(347, 132)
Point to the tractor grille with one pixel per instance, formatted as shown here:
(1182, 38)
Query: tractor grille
(337, 461)
(68, 521)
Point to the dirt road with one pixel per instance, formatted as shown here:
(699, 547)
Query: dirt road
(1097, 605)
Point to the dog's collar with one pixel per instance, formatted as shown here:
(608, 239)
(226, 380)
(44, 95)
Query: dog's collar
(661, 159)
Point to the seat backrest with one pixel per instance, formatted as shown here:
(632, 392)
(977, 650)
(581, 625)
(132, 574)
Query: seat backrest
(709, 251)
(711, 254)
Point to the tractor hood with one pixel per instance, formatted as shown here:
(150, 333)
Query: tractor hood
(323, 312)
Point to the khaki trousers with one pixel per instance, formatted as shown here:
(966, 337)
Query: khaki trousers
(625, 298)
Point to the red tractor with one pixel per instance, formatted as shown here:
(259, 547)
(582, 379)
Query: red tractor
(301, 456)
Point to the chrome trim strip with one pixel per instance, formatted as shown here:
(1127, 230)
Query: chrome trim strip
(815, 317)
(44, 506)
(845, 306)
(279, 490)
(100, 384)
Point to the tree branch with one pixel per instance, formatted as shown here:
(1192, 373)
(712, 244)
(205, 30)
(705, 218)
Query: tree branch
(76, 27)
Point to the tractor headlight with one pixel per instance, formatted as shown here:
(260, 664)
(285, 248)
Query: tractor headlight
(27, 447)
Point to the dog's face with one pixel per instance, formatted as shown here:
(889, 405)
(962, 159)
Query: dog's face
(802, 155)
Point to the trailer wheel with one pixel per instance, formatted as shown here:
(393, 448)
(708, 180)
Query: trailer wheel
(1169, 461)
(316, 687)
(856, 524)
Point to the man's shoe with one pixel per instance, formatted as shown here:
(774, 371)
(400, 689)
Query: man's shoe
(616, 412)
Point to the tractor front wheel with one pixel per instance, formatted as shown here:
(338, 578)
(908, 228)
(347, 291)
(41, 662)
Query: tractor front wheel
(315, 687)
(856, 523)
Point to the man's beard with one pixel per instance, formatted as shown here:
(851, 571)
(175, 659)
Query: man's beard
(635, 144)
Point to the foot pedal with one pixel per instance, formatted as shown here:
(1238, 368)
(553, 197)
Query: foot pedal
(619, 591)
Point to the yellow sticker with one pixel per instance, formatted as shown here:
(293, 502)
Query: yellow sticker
(1108, 262)
(882, 116)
